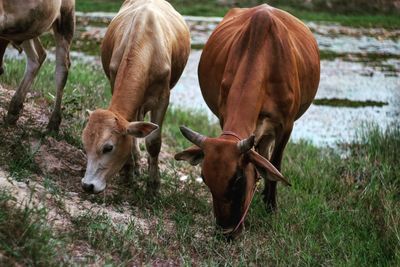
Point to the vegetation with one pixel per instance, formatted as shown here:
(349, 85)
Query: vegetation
(337, 212)
(356, 13)
(339, 102)
(26, 238)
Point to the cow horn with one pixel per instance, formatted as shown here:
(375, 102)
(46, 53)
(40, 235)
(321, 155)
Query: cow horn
(246, 144)
(192, 136)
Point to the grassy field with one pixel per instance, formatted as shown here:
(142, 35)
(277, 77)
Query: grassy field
(339, 212)
(210, 8)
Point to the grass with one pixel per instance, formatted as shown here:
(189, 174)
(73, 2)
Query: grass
(338, 102)
(83, 79)
(22, 163)
(338, 211)
(210, 8)
(26, 237)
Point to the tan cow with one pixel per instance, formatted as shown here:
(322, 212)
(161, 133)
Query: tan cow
(21, 23)
(258, 72)
(144, 52)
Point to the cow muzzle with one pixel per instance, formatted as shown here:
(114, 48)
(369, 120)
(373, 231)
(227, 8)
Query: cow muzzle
(93, 186)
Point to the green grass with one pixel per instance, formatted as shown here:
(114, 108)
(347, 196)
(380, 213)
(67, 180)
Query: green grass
(339, 102)
(337, 212)
(357, 17)
(26, 237)
(87, 88)
(371, 20)
(330, 216)
(89, 46)
(21, 162)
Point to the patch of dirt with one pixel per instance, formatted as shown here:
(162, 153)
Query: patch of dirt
(56, 184)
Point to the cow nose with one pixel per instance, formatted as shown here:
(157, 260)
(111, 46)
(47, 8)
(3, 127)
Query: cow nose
(88, 187)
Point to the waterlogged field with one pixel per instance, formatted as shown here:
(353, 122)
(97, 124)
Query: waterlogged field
(342, 208)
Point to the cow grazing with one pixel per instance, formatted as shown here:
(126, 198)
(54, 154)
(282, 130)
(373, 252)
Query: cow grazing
(21, 23)
(258, 73)
(144, 52)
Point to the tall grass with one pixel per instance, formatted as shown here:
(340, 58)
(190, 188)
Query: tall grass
(26, 238)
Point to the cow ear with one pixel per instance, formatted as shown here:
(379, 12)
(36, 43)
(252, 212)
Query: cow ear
(89, 112)
(266, 168)
(140, 129)
(194, 155)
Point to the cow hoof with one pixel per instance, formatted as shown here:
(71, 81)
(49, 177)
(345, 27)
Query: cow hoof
(153, 188)
(136, 172)
(11, 119)
(53, 128)
(270, 208)
(54, 124)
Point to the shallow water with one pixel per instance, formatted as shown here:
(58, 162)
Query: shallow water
(323, 125)
(350, 78)
(332, 37)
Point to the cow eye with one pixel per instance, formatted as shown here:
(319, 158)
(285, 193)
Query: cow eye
(107, 148)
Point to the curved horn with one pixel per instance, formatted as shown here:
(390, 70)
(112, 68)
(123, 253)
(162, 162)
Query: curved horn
(192, 136)
(246, 144)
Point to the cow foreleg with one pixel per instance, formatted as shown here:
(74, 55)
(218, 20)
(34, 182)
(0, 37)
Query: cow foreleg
(127, 169)
(35, 55)
(3, 46)
(63, 32)
(276, 159)
(132, 165)
(153, 146)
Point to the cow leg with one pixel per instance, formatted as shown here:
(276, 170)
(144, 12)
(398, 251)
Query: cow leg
(63, 29)
(3, 46)
(35, 55)
(136, 149)
(276, 159)
(153, 145)
(132, 165)
(128, 168)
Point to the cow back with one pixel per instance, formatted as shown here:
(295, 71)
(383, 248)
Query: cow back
(262, 56)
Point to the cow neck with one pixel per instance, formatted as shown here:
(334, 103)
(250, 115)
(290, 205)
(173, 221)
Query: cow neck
(127, 98)
(130, 84)
(121, 113)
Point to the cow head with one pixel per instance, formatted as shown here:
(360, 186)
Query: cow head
(107, 140)
(230, 170)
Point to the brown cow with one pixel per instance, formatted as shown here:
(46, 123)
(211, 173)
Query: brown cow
(21, 23)
(144, 52)
(259, 72)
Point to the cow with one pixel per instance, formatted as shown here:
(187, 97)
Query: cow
(259, 72)
(143, 53)
(21, 24)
